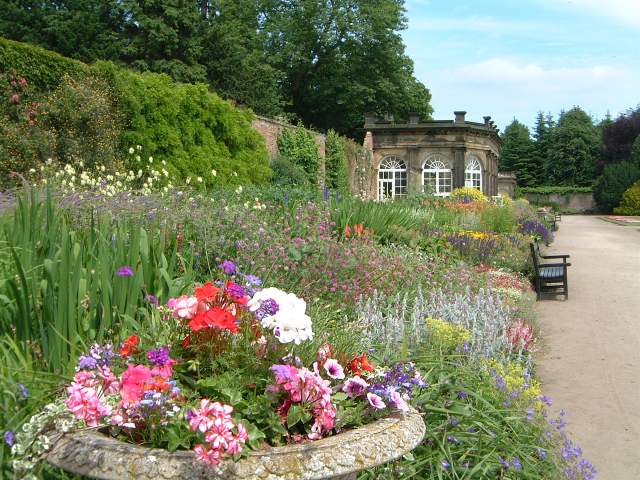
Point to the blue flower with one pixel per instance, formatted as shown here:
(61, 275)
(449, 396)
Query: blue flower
(23, 390)
(9, 438)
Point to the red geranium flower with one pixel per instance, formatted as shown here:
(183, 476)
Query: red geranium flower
(129, 346)
(215, 317)
(361, 364)
(207, 292)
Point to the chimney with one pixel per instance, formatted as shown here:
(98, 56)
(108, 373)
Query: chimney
(487, 121)
(459, 116)
(414, 118)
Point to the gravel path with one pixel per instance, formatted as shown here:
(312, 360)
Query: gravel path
(590, 359)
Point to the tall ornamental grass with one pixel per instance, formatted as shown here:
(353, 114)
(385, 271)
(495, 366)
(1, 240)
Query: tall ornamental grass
(62, 287)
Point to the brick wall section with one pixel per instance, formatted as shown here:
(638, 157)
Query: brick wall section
(270, 129)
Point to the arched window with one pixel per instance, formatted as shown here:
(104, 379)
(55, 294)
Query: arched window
(473, 173)
(392, 178)
(436, 175)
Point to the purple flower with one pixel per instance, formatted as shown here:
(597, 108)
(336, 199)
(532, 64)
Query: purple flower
(375, 401)
(462, 395)
(542, 453)
(86, 362)
(125, 271)
(545, 399)
(515, 461)
(228, 267)
(267, 308)
(446, 465)
(152, 299)
(354, 387)
(235, 290)
(23, 390)
(454, 421)
(530, 414)
(452, 439)
(398, 402)
(159, 357)
(253, 280)
(334, 369)
(504, 463)
(9, 438)
(103, 354)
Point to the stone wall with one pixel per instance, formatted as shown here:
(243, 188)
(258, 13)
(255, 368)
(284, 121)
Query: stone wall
(577, 202)
(270, 129)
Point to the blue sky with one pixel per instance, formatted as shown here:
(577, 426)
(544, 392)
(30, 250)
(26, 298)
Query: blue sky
(511, 58)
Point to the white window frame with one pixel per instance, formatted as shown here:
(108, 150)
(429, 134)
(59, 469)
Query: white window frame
(393, 171)
(473, 173)
(436, 171)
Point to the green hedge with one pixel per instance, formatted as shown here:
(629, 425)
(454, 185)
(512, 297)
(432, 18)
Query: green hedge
(44, 69)
(187, 126)
(552, 190)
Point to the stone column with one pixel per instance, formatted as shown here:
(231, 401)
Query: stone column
(414, 172)
(458, 166)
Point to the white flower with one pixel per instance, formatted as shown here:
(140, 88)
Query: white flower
(290, 323)
(214, 173)
(131, 151)
(137, 158)
(199, 179)
(139, 147)
(150, 159)
(239, 190)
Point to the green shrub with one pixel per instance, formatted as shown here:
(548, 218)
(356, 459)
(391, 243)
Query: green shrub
(44, 69)
(300, 147)
(498, 219)
(83, 122)
(560, 190)
(189, 127)
(285, 172)
(630, 204)
(336, 175)
(615, 180)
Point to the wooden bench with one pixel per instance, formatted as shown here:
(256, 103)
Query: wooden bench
(550, 277)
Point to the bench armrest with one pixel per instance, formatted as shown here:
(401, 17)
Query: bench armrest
(555, 256)
(553, 265)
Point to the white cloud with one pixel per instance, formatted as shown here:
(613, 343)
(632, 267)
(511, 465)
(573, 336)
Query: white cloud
(505, 72)
(506, 88)
(622, 11)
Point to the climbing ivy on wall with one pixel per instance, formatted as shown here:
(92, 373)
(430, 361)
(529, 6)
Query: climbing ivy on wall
(299, 147)
(336, 174)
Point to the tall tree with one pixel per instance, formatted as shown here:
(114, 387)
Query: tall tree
(618, 136)
(575, 149)
(517, 154)
(237, 64)
(542, 136)
(343, 58)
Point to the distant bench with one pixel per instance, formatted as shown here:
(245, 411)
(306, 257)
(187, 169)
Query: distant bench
(550, 277)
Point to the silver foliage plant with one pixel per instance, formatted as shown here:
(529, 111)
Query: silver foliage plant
(401, 320)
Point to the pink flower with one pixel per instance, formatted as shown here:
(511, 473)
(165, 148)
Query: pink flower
(375, 401)
(209, 456)
(520, 335)
(85, 404)
(184, 306)
(354, 387)
(398, 402)
(334, 369)
(132, 386)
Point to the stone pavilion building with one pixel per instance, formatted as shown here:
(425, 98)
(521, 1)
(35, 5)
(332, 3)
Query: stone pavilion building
(434, 156)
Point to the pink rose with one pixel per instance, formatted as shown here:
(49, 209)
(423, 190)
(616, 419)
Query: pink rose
(184, 306)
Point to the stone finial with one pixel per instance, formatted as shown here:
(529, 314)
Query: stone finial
(487, 121)
(459, 116)
(414, 118)
(368, 142)
(370, 118)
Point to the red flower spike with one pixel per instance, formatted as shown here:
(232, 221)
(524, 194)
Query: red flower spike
(207, 293)
(129, 346)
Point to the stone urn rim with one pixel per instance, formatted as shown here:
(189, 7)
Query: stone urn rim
(339, 456)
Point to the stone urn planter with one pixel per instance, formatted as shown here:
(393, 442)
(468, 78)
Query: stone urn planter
(341, 456)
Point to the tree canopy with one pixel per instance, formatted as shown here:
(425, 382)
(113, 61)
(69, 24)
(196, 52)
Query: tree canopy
(518, 154)
(324, 62)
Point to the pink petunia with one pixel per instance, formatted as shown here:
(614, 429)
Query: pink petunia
(375, 401)
(132, 385)
(354, 387)
(398, 402)
(184, 306)
(334, 369)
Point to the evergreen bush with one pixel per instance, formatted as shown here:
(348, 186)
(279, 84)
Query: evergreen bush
(630, 204)
(285, 172)
(44, 69)
(336, 175)
(300, 147)
(615, 180)
(192, 129)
